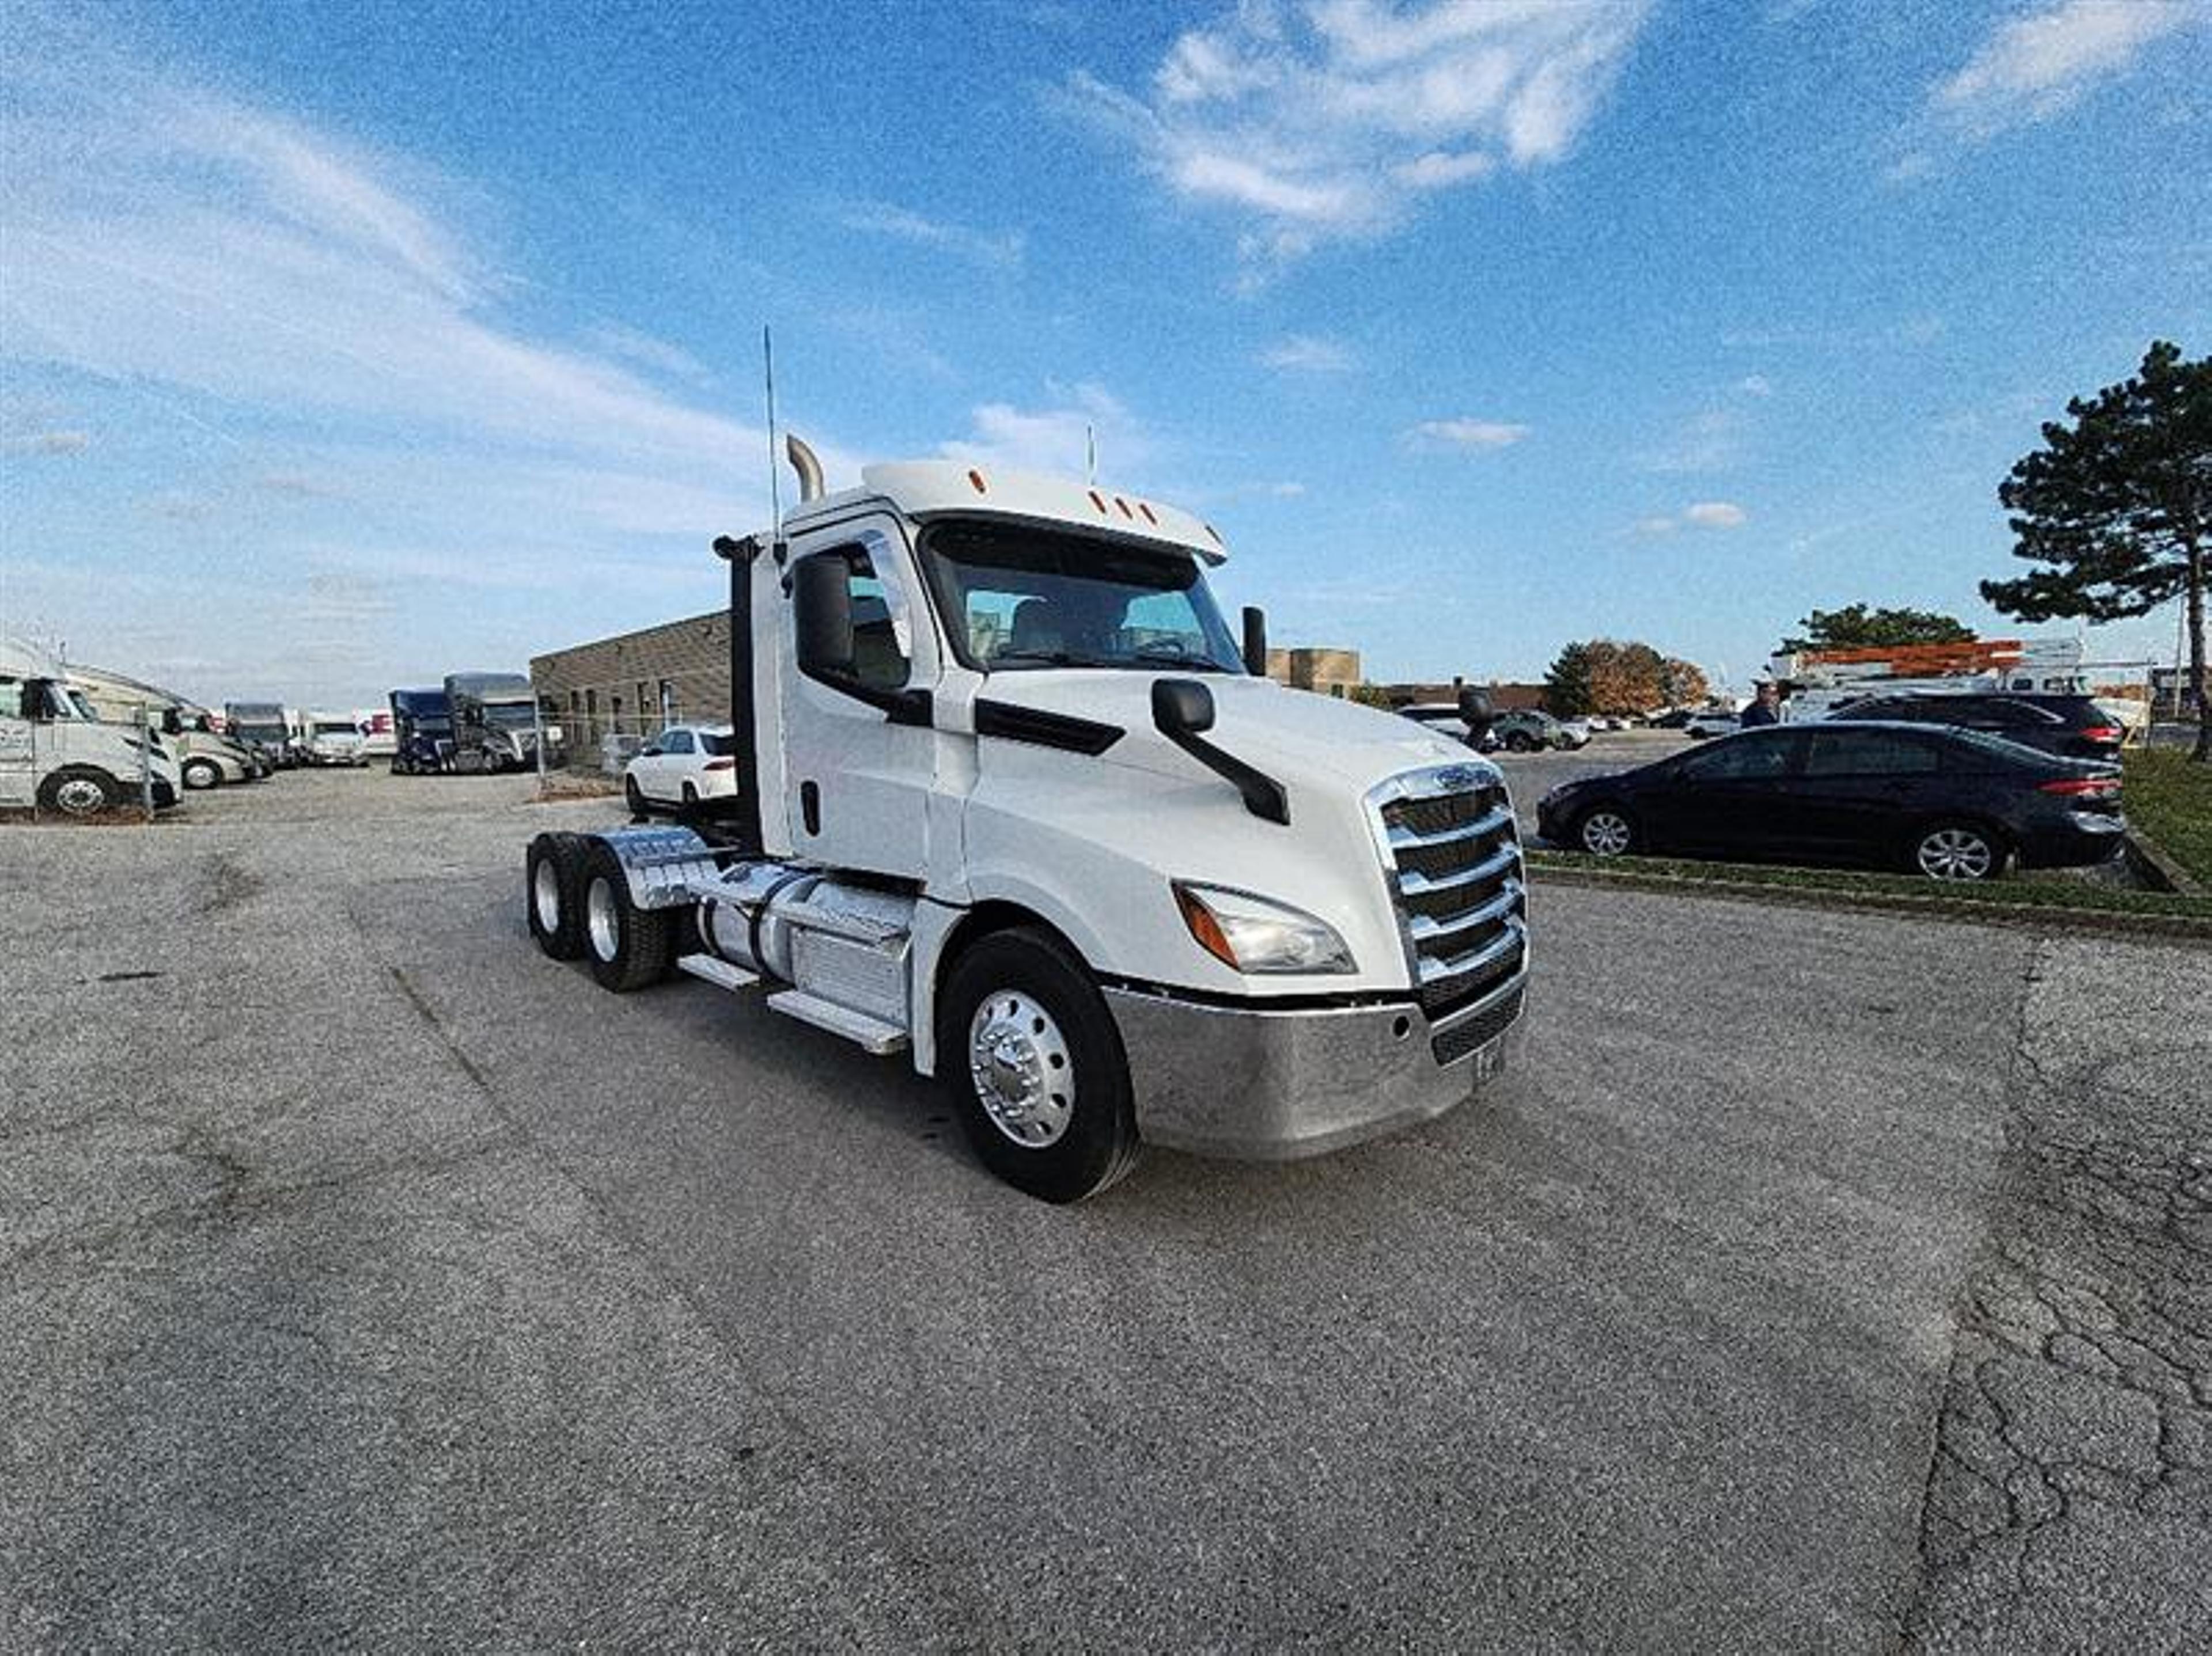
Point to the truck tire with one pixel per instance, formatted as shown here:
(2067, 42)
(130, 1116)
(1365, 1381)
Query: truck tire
(551, 889)
(1035, 1066)
(203, 774)
(626, 947)
(80, 791)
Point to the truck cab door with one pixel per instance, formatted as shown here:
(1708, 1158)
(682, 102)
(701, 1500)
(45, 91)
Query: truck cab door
(859, 752)
(18, 758)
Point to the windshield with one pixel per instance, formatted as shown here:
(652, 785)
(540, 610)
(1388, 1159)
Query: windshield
(1016, 598)
(254, 730)
(325, 727)
(510, 715)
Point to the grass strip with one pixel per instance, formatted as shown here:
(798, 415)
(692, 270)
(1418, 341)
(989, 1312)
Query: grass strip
(2168, 800)
(2018, 896)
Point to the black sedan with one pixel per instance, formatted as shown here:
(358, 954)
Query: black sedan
(2072, 726)
(1952, 804)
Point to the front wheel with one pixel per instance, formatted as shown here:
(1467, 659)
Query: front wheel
(1035, 1063)
(1520, 743)
(1605, 832)
(1960, 851)
(80, 791)
(634, 797)
(201, 773)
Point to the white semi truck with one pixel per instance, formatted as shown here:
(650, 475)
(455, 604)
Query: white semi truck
(1014, 802)
(55, 753)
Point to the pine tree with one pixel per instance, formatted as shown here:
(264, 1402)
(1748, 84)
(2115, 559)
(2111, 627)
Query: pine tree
(2117, 506)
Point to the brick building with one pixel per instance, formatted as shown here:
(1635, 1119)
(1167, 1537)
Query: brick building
(1329, 672)
(632, 684)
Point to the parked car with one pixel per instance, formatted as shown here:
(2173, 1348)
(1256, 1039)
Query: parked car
(2074, 726)
(1710, 722)
(1950, 804)
(1673, 718)
(1442, 717)
(1527, 729)
(685, 764)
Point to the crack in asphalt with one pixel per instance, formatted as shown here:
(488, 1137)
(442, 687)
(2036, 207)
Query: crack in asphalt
(2079, 1396)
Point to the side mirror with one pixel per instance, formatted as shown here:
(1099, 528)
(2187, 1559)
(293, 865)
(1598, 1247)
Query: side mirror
(822, 616)
(1474, 711)
(1180, 706)
(1256, 640)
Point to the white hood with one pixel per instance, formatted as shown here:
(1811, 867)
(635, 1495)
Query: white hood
(1295, 736)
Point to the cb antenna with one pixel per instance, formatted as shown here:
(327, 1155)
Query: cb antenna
(1089, 454)
(775, 481)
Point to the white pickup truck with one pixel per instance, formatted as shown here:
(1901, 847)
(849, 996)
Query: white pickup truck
(1011, 800)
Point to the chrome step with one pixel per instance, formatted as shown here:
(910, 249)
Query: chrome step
(713, 969)
(869, 1034)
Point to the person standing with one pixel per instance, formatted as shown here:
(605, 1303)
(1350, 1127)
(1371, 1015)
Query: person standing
(1766, 707)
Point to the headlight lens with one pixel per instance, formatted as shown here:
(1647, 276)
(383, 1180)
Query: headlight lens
(1256, 935)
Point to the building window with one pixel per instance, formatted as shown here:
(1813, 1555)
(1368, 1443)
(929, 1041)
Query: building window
(668, 711)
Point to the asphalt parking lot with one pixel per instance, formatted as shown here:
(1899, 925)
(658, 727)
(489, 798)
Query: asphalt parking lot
(1818, 1280)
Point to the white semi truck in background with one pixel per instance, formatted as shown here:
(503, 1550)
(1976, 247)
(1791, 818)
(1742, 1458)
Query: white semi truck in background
(56, 754)
(1013, 801)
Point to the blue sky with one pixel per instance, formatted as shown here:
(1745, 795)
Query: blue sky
(345, 346)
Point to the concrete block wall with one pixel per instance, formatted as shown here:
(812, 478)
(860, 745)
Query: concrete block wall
(633, 683)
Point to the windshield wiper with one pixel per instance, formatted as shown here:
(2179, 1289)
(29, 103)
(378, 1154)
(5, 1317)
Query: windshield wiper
(1175, 659)
(1047, 657)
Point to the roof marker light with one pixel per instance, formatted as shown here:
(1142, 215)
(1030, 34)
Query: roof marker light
(1124, 505)
(1147, 511)
(976, 478)
(1212, 530)
(1096, 502)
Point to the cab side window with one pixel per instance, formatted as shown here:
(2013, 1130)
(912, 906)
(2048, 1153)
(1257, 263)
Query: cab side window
(879, 660)
(676, 741)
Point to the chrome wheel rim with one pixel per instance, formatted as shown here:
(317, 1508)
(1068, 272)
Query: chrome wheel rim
(601, 920)
(201, 776)
(545, 894)
(1024, 1075)
(80, 797)
(1956, 854)
(1605, 834)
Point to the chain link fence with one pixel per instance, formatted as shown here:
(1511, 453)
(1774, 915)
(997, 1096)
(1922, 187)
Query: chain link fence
(589, 748)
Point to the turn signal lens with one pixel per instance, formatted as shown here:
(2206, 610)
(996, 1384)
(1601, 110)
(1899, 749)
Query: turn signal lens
(1257, 936)
(719, 765)
(2102, 733)
(2083, 787)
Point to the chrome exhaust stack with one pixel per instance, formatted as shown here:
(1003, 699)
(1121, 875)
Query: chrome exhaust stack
(802, 461)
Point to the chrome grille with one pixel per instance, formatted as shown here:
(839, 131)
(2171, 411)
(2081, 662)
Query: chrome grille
(1455, 871)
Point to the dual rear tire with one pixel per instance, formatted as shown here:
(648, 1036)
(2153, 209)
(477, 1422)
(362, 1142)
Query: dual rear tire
(580, 907)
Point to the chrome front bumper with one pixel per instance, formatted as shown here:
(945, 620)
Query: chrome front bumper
(1241, 1081)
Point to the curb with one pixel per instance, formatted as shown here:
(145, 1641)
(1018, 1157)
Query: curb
(2155, 864)
(2056, 917)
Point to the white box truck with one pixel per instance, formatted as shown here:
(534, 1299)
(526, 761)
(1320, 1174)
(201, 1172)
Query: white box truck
(1013, 801)
(55, 753)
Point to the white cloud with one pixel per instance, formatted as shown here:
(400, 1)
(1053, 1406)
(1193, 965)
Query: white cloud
(998, 250)
(1468, 434)
(311, 351)
(1714, 514)
(1331, 121)
(1057, 439)
(1707, 441)
(1755, 384)
(1307, 354)
(1700, 515)
(49, 442)
(2036, 65)
(2032, 67)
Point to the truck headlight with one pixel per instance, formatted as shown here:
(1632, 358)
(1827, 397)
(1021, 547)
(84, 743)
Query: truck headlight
(1254, 935)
